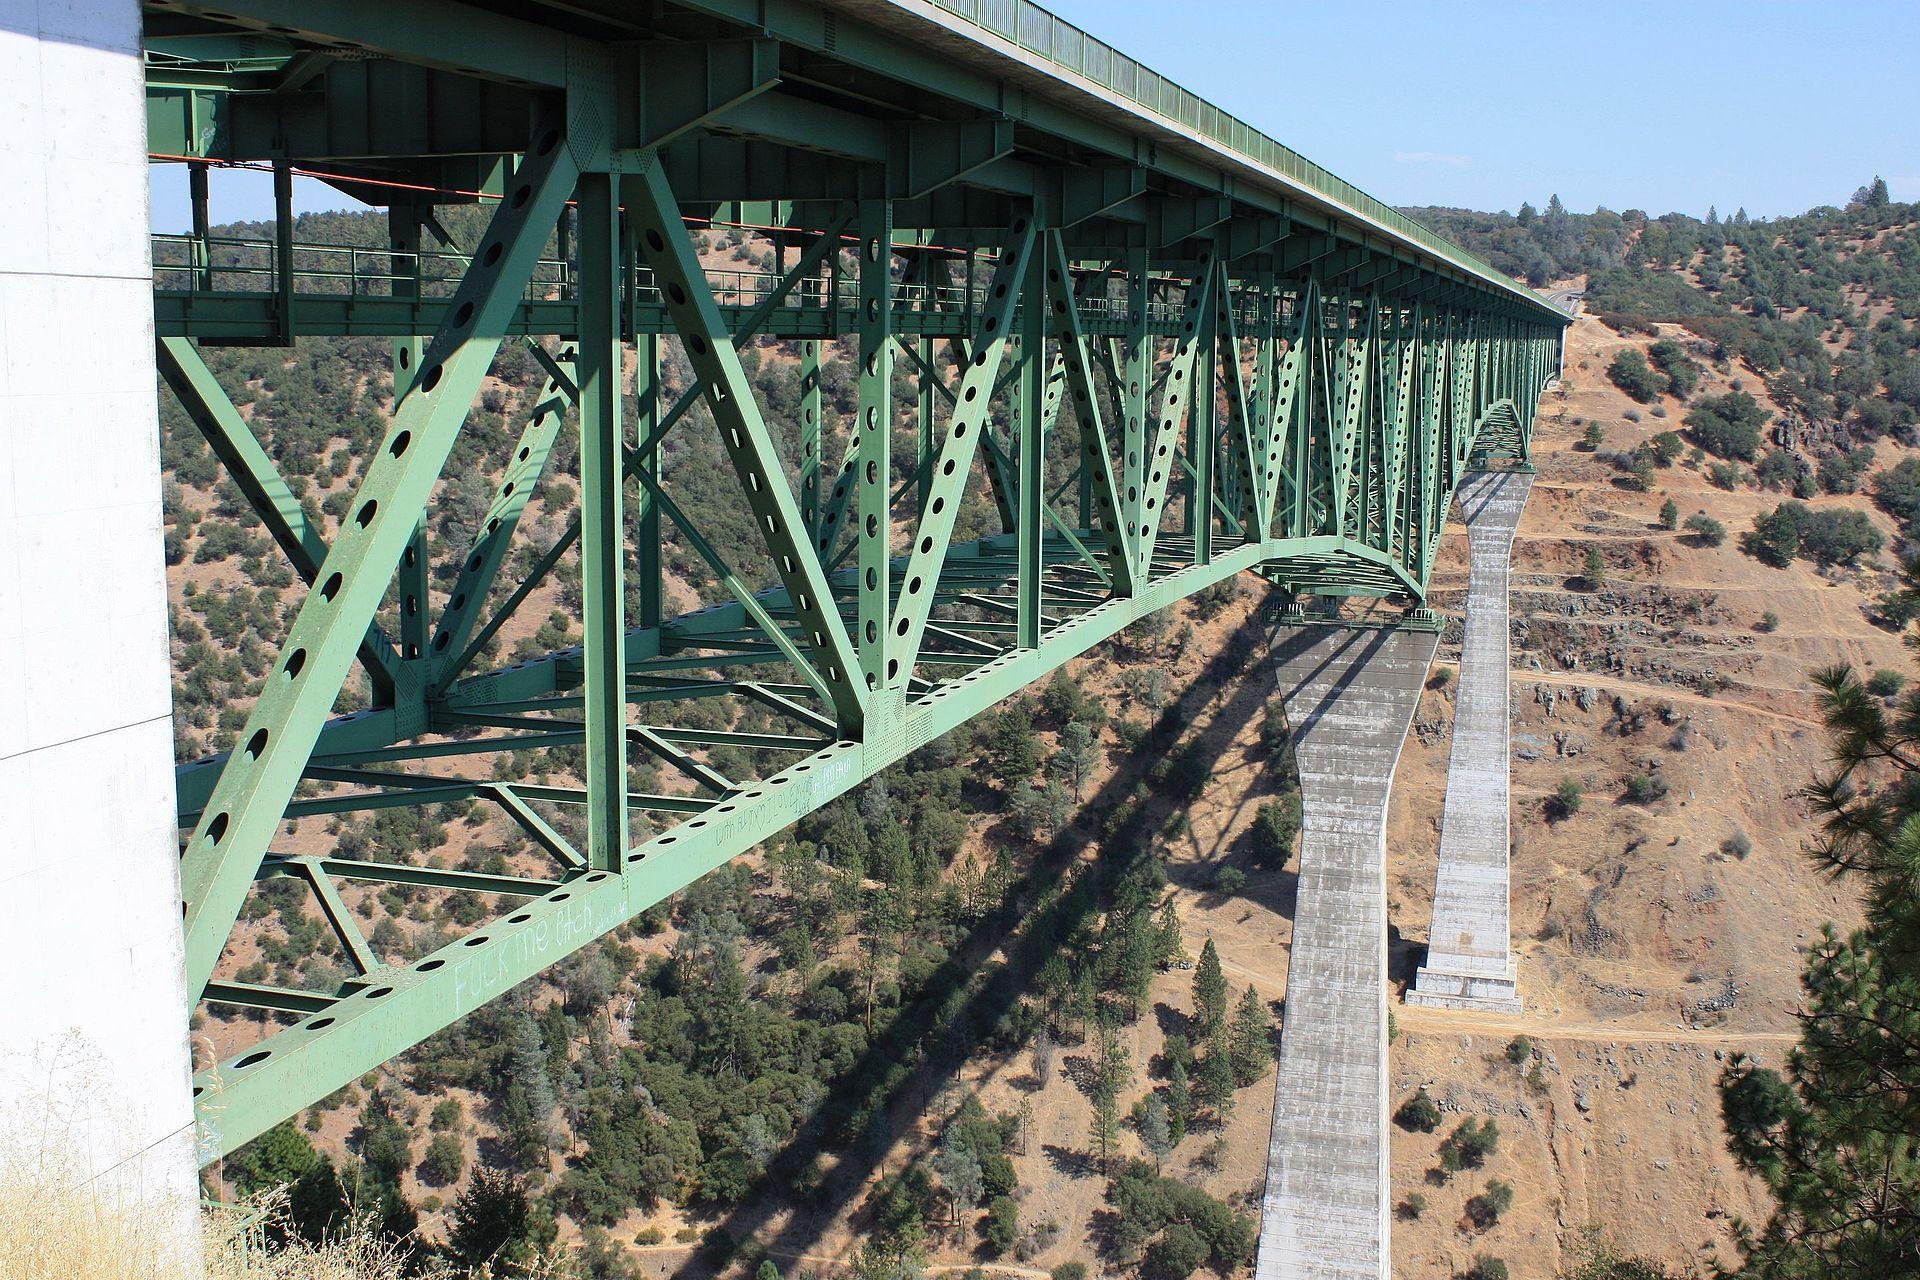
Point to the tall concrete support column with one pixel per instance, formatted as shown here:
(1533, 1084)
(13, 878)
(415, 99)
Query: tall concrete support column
(94, 1068)
(1350, 696)
(1469, 952)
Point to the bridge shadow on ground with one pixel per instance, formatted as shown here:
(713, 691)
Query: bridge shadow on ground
(910, 1062)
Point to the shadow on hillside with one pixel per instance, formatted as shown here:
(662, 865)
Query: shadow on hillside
(962, 1003)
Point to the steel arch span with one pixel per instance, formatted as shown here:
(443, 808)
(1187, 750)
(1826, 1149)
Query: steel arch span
(1149, 347)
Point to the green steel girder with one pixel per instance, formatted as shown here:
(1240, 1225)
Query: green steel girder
(1379, 374)
(443, 34)
(246, 804)
(729, 396)
(958, 443)
(481, 565)
(254, 473)
(1175, 404)
(243, 1097)
(1096, 455)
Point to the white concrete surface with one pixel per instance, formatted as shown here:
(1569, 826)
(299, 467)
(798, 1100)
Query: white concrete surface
(1350, 696)
(1469, 948)
(94, 1063)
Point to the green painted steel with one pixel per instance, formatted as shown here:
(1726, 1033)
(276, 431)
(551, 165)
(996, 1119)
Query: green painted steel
(1301, 375)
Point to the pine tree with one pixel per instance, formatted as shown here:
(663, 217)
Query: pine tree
(1138, 949)
(1833, 1137)
(1112, 1065)
(1104, 1130)
(1594, 574)
(492, 1222)
(1076, 754)
(1156, 1131)
(530, 1098)
(1249, 1043)
(1171, 949)
(958, 1169)
(1210, 992)
(1216, 1077)
(1179, 1102)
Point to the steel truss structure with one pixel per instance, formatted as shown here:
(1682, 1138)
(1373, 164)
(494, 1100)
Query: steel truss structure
(1260, 371)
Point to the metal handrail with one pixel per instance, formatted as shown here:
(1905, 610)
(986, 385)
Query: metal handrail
(236, 264)
(1069, 48)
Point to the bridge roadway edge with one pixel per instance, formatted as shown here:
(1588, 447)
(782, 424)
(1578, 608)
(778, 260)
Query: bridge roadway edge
(1350, 696)
(1469, 962)
(94, 1077)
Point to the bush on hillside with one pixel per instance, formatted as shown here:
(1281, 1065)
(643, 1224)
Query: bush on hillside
(1418, 1114)
(1707, 531)
(1728, 425)
(1632, 374)
(1896, 491)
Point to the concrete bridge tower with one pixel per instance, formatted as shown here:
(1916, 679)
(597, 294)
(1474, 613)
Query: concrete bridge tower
(1350, 695)
(94, 1070)
(1469, 949)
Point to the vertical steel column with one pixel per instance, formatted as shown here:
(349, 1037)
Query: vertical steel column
(602, 522)
(1136, 367)
(283, 246)
(647, 390)
(201, 256)
(810, 438)
(1030, 468)
(1303, 350)
(873, 447)
(924, 407)
(404, 220)
(1202, 427)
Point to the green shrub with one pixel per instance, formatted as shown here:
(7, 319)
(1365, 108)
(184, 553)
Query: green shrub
(1469, 1145)
(1001, 1225)
(1418, 1114)
(1519, 1049)
(1725, 475)
(1896, 491)
(1707, 531)
(1412, 1207)
(1566, 800)
(1484, 1210)
(1645, 788)
(1632, 374)
(1728, 425)
(1885, 682)
(1275, 824)
(1485, 1267)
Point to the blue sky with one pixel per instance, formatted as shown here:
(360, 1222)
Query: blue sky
(1674, 105)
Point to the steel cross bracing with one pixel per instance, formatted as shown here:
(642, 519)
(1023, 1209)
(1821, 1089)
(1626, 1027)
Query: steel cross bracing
(1141, 383)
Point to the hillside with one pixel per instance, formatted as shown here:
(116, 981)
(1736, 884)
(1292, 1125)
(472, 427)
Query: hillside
(934, 1021)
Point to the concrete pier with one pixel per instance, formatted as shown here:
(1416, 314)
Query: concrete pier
(1350, 696)
(94, 1068)
(1469, 953)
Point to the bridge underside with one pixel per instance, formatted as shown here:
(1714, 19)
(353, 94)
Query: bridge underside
(1094, 376)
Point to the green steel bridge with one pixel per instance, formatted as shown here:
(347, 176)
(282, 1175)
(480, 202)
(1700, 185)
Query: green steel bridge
(1245, 363)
